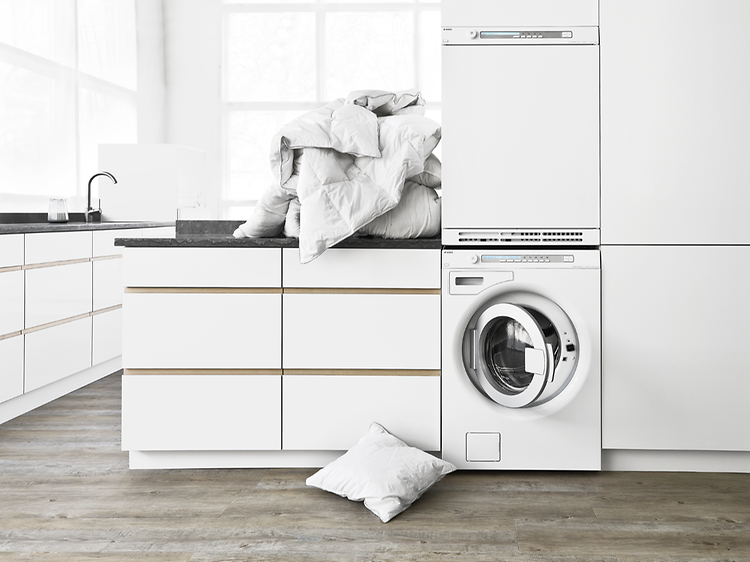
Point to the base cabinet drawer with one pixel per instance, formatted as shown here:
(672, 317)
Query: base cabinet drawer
(57, 352)
(201, 412)
(201, 331)
(360, 331)
(11, 368)
(107, 338)
(332, 412)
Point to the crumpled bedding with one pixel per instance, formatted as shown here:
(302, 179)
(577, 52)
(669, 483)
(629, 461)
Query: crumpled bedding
(358, 164)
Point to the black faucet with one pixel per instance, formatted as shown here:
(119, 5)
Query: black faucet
(95, 215)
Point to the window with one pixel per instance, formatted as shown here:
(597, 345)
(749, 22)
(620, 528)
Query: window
(283, 58)
(67, 83)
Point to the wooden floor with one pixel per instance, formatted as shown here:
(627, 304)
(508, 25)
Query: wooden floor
(66, 494)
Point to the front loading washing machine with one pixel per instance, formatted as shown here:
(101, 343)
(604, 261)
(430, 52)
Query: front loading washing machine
(521, 378)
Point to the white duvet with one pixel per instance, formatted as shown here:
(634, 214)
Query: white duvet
(345, 168)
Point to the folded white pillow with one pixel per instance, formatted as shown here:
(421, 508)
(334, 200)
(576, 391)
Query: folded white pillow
(382, 471)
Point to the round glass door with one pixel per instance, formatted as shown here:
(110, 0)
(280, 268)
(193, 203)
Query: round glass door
(510, 357)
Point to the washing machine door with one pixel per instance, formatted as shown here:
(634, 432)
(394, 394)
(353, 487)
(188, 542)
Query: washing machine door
(509, 358)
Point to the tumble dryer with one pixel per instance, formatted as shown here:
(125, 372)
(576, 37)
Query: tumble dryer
(521, 359)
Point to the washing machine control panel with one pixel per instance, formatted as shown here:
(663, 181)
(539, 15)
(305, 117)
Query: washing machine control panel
(525, 258)
(461, 258)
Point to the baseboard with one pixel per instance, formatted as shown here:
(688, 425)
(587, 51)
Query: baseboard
(30, 400)
(675, 461)
(231, 459)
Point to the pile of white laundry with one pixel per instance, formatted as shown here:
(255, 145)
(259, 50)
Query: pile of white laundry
(362, 164)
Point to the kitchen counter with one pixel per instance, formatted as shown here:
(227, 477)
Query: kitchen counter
(218, 233)
(27, 223)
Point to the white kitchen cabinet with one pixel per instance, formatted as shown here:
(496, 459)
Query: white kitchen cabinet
(11, 301)
(202, 267)
(529, 13)
(674, 344)
(199, 412)
(361, 331)
(107, 283)
(106, 336)
(202, 330)
(674, 122)
(54, 353)
(334, 412)
(50, 247)
(11, 367)
(11, 250)
(57, 292)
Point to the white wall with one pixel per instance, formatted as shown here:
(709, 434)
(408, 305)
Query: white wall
(151, 83)
(192, 54)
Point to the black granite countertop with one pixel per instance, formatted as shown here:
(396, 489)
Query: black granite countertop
(27, 223)
(218, 233)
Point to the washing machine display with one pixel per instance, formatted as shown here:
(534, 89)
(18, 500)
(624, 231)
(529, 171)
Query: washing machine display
(522, 360)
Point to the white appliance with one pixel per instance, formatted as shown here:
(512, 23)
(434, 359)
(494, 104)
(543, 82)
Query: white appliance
(520, 123)
(521, 355)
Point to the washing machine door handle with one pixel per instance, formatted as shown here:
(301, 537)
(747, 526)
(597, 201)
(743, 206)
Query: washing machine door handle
(539, 357)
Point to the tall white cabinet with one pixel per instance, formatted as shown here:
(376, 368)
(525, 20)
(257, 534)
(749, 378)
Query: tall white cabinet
(675, 132)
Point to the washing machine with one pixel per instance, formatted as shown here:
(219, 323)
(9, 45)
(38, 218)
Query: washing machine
(521, 359)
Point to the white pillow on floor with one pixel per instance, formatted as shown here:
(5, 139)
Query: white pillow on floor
(382, 471)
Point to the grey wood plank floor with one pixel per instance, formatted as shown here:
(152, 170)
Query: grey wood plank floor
(66, 494)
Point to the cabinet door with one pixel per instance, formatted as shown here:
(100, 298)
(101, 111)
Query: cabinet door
(107, 283)
(56, 352)
(674, 344)
(11, 302)
(361, 331)
(674, 122)
(202, 267)
(202, 330)
(11, 250)
(201, 412)
(11, 367)
(107, 336)
(373, 268)
(58, 292)
(334, 412)
(47, 247)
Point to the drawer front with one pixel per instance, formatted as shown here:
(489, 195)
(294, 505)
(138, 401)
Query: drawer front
(54, 353)
(334, 412)
(11, 302)
(104, 242)
(201, 330)
(202, 267)
(107, 290)
(56, 293)
(361, 331)
(44, 247)
(201, 412)
(11, 250)
(11, 368)
(107, 336)
(385, 268)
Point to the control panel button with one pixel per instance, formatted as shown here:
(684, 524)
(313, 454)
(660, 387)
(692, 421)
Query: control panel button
(473, 258)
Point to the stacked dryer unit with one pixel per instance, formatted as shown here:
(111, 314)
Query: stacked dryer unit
(521, 267)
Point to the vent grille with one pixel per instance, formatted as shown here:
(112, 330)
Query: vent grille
(522, 237)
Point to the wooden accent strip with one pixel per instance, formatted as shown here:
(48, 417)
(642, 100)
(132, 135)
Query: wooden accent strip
(57, 323)
(108, 309)
(109, 257)
(10, 335)
(11, 268)
(366, 372)
(359, 291)
(206, 290)
(56, 263)
(202, 372)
